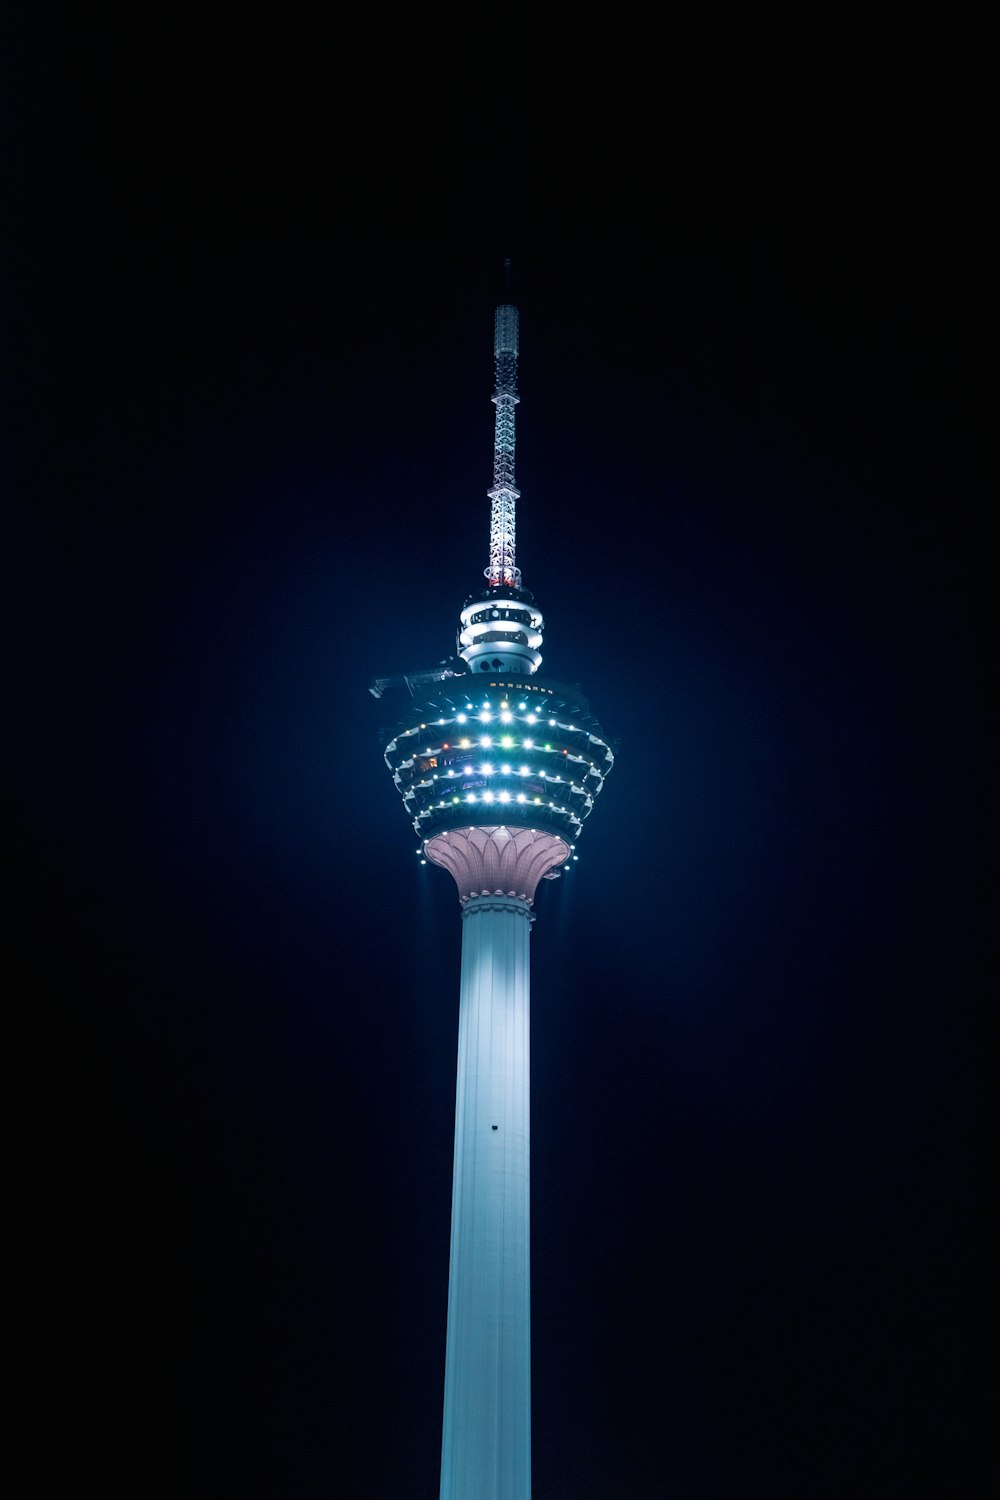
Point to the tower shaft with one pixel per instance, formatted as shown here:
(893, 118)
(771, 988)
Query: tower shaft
(486, 1442)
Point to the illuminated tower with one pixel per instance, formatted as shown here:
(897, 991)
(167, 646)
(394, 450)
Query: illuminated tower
(498, 767)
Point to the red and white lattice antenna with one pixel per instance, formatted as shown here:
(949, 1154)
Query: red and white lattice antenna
(503, 571)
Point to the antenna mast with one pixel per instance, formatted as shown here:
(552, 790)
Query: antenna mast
(502, 571)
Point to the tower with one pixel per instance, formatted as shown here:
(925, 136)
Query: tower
(498, 767)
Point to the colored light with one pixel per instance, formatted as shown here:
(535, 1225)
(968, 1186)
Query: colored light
(471, 797)
(506, 742)
(524, 771)
(532, 718)
(464, 744)
(521, 797)
(461, 718)
(529, 744)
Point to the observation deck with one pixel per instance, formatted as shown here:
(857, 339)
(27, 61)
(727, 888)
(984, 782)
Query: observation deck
(525, 752)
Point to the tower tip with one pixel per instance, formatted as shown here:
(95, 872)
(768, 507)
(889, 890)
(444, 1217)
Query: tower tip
(506, 277)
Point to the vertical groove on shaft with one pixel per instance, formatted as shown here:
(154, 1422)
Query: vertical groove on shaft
(486, 1446)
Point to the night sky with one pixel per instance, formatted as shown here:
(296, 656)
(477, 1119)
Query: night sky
(247, 333)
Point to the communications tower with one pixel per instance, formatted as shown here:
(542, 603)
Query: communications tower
(498, 767)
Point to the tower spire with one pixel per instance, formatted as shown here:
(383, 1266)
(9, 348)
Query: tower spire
(503, 571)
(501, 631)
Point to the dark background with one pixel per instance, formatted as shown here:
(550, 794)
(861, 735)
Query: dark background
(248, 321)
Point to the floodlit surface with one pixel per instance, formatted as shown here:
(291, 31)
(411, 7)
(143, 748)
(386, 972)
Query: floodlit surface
(486, 1441)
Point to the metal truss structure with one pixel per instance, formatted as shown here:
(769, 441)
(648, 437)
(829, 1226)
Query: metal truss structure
(502, 570)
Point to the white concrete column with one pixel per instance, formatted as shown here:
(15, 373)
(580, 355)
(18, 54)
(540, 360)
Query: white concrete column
(486, 1446)
(486, 1443)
